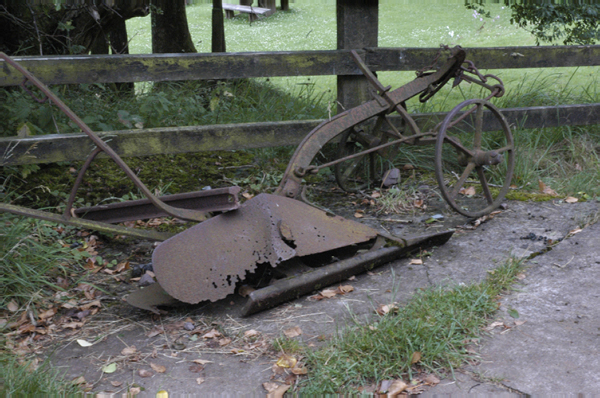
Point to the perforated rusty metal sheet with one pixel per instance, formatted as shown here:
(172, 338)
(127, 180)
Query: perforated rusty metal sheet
(205, 261)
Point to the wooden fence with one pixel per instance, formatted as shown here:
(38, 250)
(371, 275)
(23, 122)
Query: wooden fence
(166, 67)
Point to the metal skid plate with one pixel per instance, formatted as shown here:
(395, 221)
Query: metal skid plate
(206, 261)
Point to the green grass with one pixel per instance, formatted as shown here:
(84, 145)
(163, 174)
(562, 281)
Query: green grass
(33, 257)
(20, 380)
(438, 322)
(311, 25)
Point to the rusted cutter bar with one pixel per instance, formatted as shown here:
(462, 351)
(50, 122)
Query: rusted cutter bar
(291, 288)
(213, 200)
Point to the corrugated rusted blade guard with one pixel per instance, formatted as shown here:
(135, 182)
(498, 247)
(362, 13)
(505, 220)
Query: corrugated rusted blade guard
(206, 261)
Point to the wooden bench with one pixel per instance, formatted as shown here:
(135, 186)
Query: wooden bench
(252, 12)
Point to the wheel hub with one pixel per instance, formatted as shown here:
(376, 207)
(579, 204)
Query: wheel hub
(487, 158)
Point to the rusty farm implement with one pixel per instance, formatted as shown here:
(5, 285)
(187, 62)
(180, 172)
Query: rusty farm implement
(296, 246)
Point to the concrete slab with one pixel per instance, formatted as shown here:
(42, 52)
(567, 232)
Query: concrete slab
(557, 349)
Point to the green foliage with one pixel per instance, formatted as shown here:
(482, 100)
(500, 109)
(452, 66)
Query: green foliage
(33, 256)
(19, 380)
(573, 22)
(166, 105)
(438, 323)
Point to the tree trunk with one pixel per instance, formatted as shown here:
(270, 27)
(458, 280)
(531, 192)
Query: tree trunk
(218, 28)
(170, 32)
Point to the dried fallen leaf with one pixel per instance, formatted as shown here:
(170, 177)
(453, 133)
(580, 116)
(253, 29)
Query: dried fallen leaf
(384, 309)
(358, 215)
(129, 350)
(299, 371)
(251, 333)
(416, 261)
(396, 388)
(116, 383)
(95, 303)
(571, 199)
(201, 361)
(73, 325)
(469, 191)
(200, 380)
(247, 195)
(344, 289)
(286, 361)
(279, 391)
(47, 314)
(328, 293)
(196, 368)
(84, 343)
(292, 332)
(145, 373)
(493, 325)
(519, 323)
(546, 189)
(270, 387)
(213, 334)
(416, 357)
(134, 390)
(13, 306)
(78, 380)
(432, 380)
(376, 194)
(158, 368)
(123, 266)
(224, 342)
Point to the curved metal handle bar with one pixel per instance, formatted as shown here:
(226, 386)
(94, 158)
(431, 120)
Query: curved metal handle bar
(185, 214)
(310, 146)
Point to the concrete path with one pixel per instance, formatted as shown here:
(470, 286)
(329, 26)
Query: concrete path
(554, 345)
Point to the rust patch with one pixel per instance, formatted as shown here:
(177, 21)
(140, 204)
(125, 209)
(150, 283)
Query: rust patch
(206, 261)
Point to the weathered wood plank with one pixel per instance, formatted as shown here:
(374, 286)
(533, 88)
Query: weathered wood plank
(393, 59)
(174, 67)
(206, 66)
(69, 147)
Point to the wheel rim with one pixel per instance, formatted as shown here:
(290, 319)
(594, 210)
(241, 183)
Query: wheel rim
(474, 168)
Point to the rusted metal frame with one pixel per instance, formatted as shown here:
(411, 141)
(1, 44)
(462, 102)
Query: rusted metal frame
(79, 180)
(291, 288)
(213, 200)
(315, 169)
(326, 131)
(185, 214)
(83, 223)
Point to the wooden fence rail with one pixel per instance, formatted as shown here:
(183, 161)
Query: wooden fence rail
(166, 67)
(172, 140)
(170, 67)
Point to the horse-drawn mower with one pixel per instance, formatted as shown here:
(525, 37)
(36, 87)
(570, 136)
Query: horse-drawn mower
(297, 247)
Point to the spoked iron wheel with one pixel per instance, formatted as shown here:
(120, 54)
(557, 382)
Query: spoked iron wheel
(473, 168)
(364, 171)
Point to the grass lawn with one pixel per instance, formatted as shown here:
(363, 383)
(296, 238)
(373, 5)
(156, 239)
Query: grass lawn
(311, 25)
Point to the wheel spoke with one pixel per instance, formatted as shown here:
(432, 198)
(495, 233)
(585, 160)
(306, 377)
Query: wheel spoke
(458, 145)
(478, 127)
(461, 180)
(485, 186)
(351, 166)
(505, 148)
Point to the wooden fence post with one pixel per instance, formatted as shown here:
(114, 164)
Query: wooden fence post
(357, 27)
